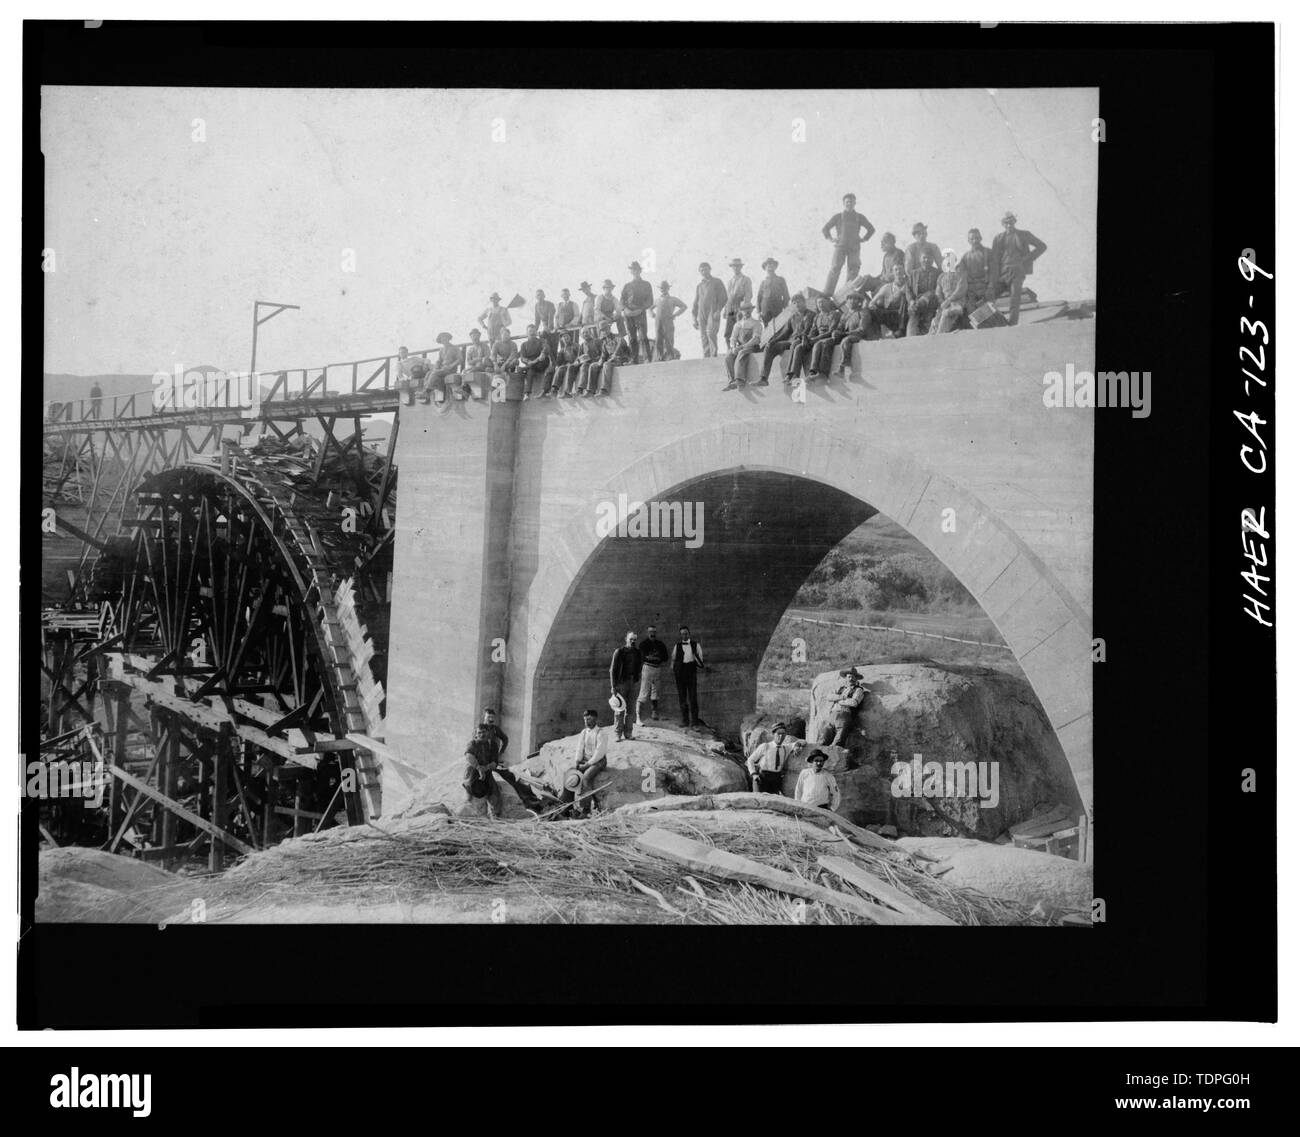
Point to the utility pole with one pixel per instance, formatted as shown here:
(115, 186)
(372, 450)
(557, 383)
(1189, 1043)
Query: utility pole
(259, 320)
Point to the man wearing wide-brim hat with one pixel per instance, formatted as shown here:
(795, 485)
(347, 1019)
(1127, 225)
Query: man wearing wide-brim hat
(607, 306)
(914, 256)
(746, 339)
(587, 311)
(447, 363)
(848, 699)
(1014, 252)
(635, 301)
(494, 317)
(740, 289)
(666, 312)
(767, 763)
(773, 295)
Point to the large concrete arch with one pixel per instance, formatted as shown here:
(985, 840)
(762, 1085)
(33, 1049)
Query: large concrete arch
(1045, 627)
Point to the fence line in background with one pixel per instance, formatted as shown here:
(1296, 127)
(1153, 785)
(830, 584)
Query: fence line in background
(901, 631)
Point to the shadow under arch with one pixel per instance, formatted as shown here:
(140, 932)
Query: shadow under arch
(776, 497)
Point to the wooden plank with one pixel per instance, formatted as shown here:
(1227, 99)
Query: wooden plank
(703, 858)
(856, 875)
(180, 811)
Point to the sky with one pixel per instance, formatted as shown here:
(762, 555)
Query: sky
(390, 215)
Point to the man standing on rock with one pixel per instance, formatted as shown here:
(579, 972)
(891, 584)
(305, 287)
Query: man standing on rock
(687, 660)
(498, 739)
(625, 681)
(815, 786)
(767, 763)
(849, 697)
(654, 654)
(480, 763)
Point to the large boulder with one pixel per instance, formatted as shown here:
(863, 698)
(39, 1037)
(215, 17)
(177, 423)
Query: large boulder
(1024, 875)
(656, 762)
(945, 714)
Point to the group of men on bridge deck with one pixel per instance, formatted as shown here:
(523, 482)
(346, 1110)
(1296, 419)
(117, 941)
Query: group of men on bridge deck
(571, 349)
(912, 296)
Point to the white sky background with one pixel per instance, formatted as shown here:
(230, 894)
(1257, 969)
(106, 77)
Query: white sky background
(163, 243)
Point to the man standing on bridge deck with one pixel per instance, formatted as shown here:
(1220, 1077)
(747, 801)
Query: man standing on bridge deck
(654, 654)
(97, 399)
(666, 313)
(785, 338)
(740, 289)
(494, 317)
(847, 227)
(746, 339)
(773, 296)
(635, 301)
(1014, 253)
(625, 683)
(478, 363)
(544, 318)
(687, 660)
(706, 312)
(447, 363)
(587, 313)
(566, 313)
(607, 306)
(767, 763)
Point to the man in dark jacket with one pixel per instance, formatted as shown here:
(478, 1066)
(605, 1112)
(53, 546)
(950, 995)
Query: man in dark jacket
(625, 681)
(845, 231)
(654, 654)
(635, 301)
(498, 737)
(687, 660)
(773, 296)
(786, 337)
(1014, 252)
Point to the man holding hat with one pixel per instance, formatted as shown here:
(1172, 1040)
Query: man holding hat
(848, 700)
(1014, 253)
(589, 760)
(746, 338)
(624, 685)
(447, 363)
(918, 248)
(847, 226)
(480, 764)
(767, 763)
(635, 301)
(773, 295)
(815, 786)
(666, 313)
(494, 317)
(706, 312)
(739, 289)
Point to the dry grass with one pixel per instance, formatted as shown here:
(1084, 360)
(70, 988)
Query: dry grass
(577, 871)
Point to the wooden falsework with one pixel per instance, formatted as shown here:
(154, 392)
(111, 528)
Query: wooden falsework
(180, 811)
(885, 893)
(718, 863)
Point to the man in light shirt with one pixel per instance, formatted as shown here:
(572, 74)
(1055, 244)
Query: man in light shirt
(767, 763)
(815, 786)
(494, 317)
(589, 761)
(687, 660)
(745, 339)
